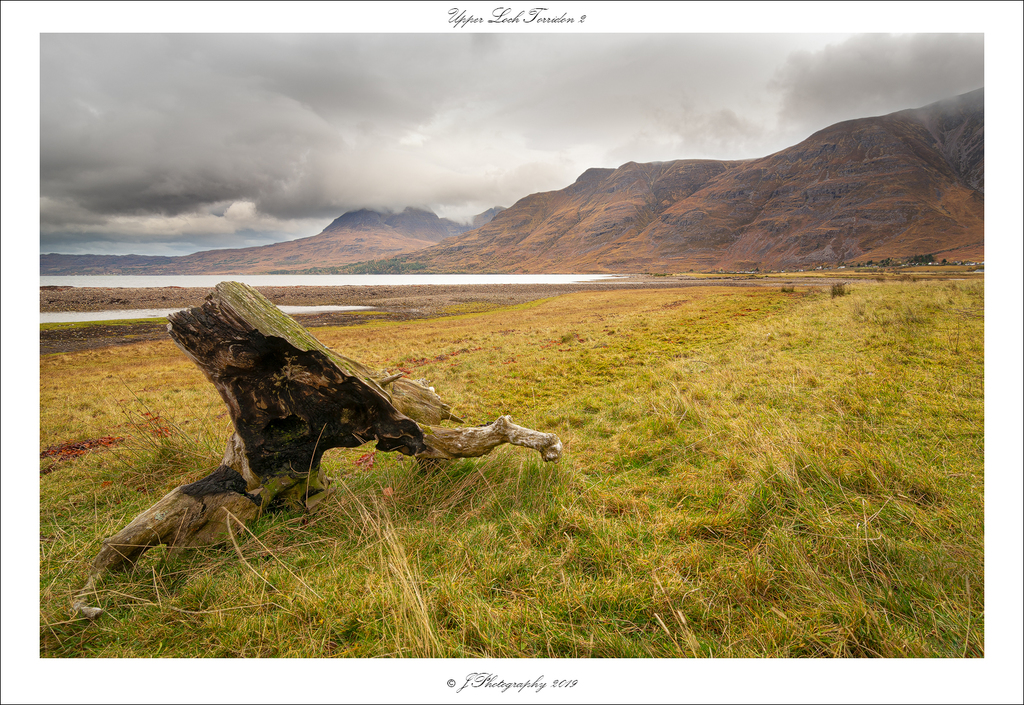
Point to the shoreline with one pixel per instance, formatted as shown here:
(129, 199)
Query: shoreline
(426, 298)
(388, 302)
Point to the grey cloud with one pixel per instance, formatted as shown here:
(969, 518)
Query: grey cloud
(874, 74)
(694, 134)
(165, 135)
(143, 137)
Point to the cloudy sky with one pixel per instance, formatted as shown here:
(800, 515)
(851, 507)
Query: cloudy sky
(173, 143)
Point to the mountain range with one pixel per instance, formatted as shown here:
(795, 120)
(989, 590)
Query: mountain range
(354, 237)
(895, 186)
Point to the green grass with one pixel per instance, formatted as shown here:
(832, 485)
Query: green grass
(747, 473)
(115, 322)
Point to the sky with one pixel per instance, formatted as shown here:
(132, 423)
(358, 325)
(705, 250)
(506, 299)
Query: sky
(174, 143)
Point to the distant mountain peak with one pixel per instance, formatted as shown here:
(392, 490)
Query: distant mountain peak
(355, 236)
(356, 218)
(593, 174)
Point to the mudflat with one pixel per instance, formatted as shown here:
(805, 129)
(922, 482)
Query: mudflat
(394, 303)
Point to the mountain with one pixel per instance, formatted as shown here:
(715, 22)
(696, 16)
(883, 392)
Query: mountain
(355, 236)
(895, 186)
(904, 184)
(486, 217)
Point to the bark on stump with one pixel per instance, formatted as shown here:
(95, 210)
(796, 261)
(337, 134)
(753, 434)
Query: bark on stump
(290, 398)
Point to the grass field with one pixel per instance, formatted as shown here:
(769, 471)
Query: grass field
(748, 473)
(86, 324)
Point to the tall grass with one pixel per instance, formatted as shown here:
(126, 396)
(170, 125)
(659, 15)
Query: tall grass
(747, 473)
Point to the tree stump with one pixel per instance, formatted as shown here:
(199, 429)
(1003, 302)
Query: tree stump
(290, 398)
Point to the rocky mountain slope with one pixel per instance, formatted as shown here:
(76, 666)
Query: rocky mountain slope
(899, 185)
(354, 237)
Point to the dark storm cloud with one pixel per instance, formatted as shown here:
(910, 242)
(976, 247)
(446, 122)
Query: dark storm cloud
(140, 125)
(173, 142)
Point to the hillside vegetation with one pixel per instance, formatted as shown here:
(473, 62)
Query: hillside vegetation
(748, 472)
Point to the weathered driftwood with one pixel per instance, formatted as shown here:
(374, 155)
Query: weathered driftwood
(290, 398)
(450, 443)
